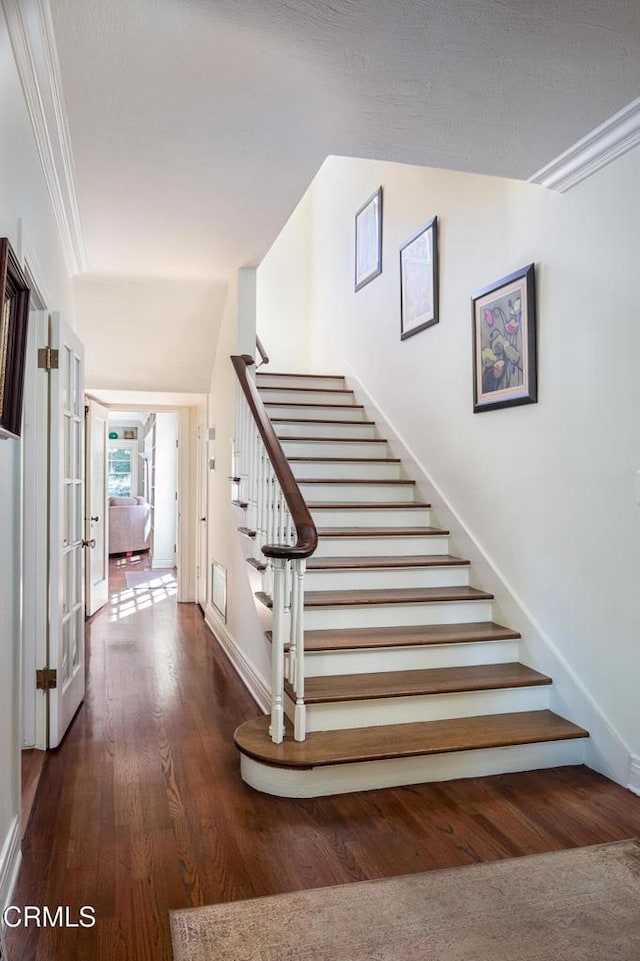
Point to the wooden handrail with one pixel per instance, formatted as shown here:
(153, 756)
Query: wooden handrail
(263, 354)
(307, 536)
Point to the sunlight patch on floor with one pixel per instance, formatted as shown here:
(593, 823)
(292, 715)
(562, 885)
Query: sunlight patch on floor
(130, 601)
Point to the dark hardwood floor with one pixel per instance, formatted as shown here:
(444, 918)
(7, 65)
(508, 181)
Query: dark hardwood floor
(142, 808)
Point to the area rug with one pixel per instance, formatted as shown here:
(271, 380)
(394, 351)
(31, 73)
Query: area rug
(158, 580)
(578, 905)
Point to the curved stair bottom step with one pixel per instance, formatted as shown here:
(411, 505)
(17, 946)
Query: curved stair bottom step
(325, 780)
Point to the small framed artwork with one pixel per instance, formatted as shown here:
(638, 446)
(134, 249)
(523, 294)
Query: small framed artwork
(130, 433)
(14, 319)
(369, 240)
(419, 281)
(504, 342)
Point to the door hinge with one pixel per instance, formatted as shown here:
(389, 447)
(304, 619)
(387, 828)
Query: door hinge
(46, 679)
(48, 358)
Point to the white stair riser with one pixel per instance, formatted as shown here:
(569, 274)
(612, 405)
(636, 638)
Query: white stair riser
(355, 431)
(373, 579)
(347, 470)
(367, 492)
(414, 658)
(326, 448)
(326, 382)
(374, 546)
(308, 396)
(369, 775)
(396, 615)
(426, 707)
(317, 412)
(370, 516)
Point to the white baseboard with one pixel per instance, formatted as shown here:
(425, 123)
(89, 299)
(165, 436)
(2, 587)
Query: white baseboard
(163, 562)
(10, 857)
(634, 775)
(606, 750)
(257, 686)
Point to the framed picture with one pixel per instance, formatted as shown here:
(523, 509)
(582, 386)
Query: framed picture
(369, 240)
(130, 433)
(419, 281)
(14, 319)
(504, 342)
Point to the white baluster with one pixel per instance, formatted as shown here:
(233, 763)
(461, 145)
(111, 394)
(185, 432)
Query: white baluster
(270, 527)
(297, 638)
(258, 541)
(244, 483)
(252, 511)
(277, 653)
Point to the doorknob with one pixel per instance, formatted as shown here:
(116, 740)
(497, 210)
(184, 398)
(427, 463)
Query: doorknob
(203, 518)
(91, 543)
(96, 519)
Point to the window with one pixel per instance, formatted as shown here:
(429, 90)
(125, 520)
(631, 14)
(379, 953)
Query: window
(122, 476)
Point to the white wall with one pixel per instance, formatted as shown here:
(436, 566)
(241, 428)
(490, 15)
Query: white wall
(284, 291)
(243, 634)
(27, 219)
(148, 333)
(166, 481)
(546, 490)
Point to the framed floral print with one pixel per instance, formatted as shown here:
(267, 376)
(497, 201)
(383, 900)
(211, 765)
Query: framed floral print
(504, 342)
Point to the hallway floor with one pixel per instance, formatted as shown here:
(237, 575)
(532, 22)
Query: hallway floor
(142, 808)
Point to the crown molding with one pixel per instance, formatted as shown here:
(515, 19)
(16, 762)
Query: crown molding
(30, 29)
(610, 140)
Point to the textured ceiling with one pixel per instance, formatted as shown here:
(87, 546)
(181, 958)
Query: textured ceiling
(196, 125)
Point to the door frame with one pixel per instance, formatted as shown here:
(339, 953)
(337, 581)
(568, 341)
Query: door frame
(187, 487)
(34, 561)
(202, 507)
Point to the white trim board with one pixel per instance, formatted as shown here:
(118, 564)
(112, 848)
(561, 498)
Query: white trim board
(30, 29)
(10, 857)
(254, 682)
(608, 141)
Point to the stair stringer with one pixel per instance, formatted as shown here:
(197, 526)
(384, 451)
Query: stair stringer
(606, 751)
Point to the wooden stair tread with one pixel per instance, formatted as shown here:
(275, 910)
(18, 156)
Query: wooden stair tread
(394, 561)
(363, 638)
(308, 420)
(275, 373)
(394, 595)
(333, 440)
(343, 460)
(284, 403)
(368, 481)
(403, 740)
(246, 531)
(307, 390)
(381, 531)
(391, 595)
(366, 505)
(439, 680)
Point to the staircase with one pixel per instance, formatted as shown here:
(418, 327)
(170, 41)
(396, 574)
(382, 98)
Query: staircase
(406, 676)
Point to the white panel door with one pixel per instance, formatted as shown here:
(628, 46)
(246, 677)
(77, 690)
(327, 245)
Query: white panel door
(66, 615)
(95, 521)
